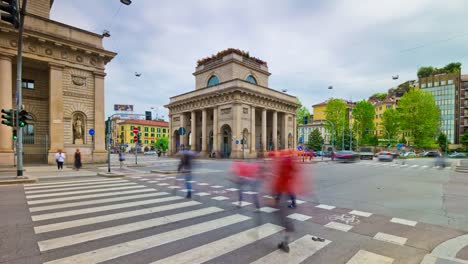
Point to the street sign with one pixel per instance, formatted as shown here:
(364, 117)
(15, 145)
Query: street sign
(135, 130)
(91, 132)
(299, 148)
(237, 142)
(300, 140)
(182, 131)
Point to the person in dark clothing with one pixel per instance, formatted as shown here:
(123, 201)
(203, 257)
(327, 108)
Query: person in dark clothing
(185, 166)
(77, 159)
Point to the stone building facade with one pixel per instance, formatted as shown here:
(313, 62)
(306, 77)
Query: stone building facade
(63, 88)
(232, 104)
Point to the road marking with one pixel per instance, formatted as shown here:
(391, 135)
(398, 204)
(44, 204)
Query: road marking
(220, 198)
(120, 198)
(326, 207)
(81, 188)
(122, 229)
(390, 238)
(360, 213)
(299, 217)
(232, 189)
(242, 204)
(162, 184)
(126, 248)
(299, 201)
(191, 181)
(144, 179)
(202, 184)
(300, 250)
(173, 187)
(368, 257)
(66, 182)
(404, 165)
(223, 246)
(250, 193)
(217, 186)
(202, 194)
(267, 209)
(72, 184)
(84, 191)
(266, 196)
(101, 208)
(414, 166)
(403, 221)
(111, 217)
(424, 166)
(339, 226)
(81, 197)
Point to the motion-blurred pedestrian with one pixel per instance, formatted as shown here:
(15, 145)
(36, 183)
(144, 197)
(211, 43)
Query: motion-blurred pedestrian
(77, 159)
(121, 158)
(185, 166)
(247, 176)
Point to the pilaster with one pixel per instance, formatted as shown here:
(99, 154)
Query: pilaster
(6, 94)
(56, 130)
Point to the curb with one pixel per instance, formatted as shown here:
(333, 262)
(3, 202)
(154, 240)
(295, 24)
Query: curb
(24, 179)
(165, 172)
(111, 175)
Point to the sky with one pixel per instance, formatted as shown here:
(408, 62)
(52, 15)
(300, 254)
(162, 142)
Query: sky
(355, 46)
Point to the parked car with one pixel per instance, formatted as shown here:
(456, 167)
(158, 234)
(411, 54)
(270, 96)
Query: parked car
(432, 154)
(366, 153)
(395, 155)
(152, 152)
(319, 153)
(409, 155)
(385, 156)
(347, 156)
(457, 155)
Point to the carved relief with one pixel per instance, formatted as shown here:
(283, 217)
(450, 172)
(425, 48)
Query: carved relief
(79, 58)
(13, 43)
(78, 80)
(245, 110)
(225, 111)
(32, 47)
(64, 55)
(48, 51)
(93, 61)
(176, 119)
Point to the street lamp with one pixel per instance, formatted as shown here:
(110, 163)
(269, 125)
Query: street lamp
(126, 2)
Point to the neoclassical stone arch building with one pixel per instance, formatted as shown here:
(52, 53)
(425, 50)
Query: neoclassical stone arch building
(231, 102)
(63, 78)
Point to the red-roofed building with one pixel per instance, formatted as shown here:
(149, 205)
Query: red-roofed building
(150, 131)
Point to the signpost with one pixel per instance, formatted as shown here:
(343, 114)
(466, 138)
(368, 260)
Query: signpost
(135, 131)
(182, 132)
(91, 133)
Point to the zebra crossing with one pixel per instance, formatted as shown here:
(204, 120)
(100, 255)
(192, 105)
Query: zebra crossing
(395, 164)
(101, 220)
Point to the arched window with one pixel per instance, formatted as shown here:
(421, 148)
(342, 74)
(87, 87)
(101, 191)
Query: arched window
(213, 81)
(251, 79)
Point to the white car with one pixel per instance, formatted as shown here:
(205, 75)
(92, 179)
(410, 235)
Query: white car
(385, 155)
(410, 154)
(152, 152)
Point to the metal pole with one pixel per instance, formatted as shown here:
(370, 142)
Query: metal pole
(350, 138)
(136, 150)
(243, 155)
(19, 99)
(342, 137)
(108, 145)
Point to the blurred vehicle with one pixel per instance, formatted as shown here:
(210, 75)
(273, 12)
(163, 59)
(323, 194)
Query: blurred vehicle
(395, 155)
(327, 154)
(410, 154)
(152, 152)
(457, 155)
(347, 156)
(385, 156)
(432, 154)
(440, 162)
(423, 154)
(366, 153)
(319, 153)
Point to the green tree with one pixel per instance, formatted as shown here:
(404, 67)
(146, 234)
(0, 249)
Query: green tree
(378, 96)
(453, 67)
(302, 112)
(363, 114)
(425, 71)
(419, 116)
(162, 144)
(391, 123)
(339, 141)
(315, 140)
(442, 142)
(335, 112)
(464, 139)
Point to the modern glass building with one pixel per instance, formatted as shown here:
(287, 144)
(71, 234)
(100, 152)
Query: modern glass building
(445, 88)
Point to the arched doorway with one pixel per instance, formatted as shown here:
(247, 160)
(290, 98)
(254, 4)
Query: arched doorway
(226, 141)
(176, 141)
(290, 141)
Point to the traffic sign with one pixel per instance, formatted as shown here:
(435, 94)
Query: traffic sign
(135, 130)
(182, 131)
(237, 142)
(299, 148)
(300, 140)
(91, 132)
(135, 139)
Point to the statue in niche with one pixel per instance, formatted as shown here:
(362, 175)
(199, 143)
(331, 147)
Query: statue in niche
(78, 130)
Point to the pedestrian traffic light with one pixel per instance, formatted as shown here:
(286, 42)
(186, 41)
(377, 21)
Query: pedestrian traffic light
(24, 117)
(14, 134)
(10, 12)
(9, 116)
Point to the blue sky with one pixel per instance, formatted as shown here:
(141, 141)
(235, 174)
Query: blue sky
(354, 45)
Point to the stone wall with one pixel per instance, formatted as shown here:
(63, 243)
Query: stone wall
(39, 7)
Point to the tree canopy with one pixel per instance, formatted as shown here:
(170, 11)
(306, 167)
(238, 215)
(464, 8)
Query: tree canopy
(427, 71)
(315, 140)
(419, 116)
(391, 122)
(442, 142)
(363, 114)
(335, 112)
(162, 143)
(301, 112)
(378, 96)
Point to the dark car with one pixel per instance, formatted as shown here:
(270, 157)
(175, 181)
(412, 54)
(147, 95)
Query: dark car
(347, 156)
(432, 154)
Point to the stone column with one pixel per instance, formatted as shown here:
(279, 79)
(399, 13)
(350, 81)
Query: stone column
(264, 130)
(56, 133)
(6, 97)
(284, 135)
(275, 130)
(204, 135)
(294, 129)
(252, 131)
(100, 153)
(193, 134)
(171, 138)
(215, 130)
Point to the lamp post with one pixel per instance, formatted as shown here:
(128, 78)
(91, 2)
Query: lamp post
(333, 131)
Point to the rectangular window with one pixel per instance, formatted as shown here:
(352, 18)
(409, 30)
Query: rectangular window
(122, 128)
(436, 83)
(164, 130)
(152, 129)
(146, 141)
(443, 82)
(159, 130)
(131, 134)
(28, 133)
(27, 84)
(389, 106)
(146, 134)
(429, 84)
(450, 81)
(131, 141)
(423, 85)
(159, 135)
(152, 134)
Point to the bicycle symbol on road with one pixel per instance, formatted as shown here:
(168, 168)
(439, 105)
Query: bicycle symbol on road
(348, 219)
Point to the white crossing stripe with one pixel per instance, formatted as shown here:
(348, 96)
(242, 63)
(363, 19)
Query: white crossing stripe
(242, 204)
(223, 246)
(120, 198)
(339, 226)
(360, 213)
(122, 229)
(81, 188)
(162, 184)
(111, 217)
(326, 207)
(232, 189)
(126, 248)
(299, 217)
(72, 184)
(391, 238)
(81, 197)
(202, 194)
(64, 182)
(101, 208)
(173, 187)
(217, 186)
(84, 191)
(300, 250)
(369, 258)
(414, 166)
(202, 184)
(403, 221)
(220, 198)
(424, 166)
(267, 209)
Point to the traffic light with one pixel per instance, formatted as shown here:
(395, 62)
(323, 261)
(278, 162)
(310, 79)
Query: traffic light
(15, 137)
(11, 14)
(24, 117)
(9, 116)
(135, 139)
(139, 140)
